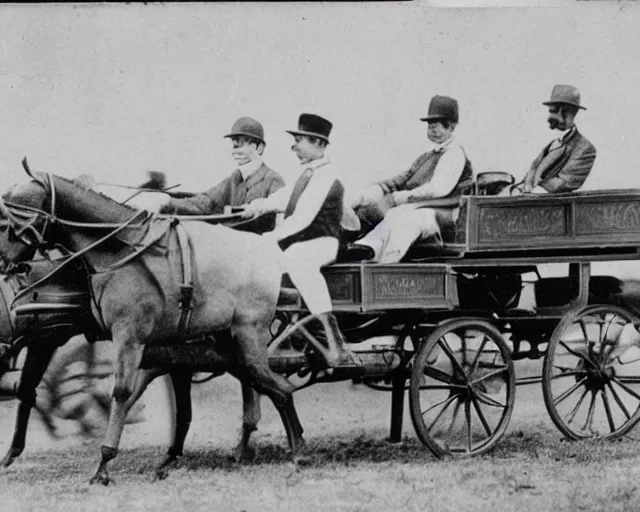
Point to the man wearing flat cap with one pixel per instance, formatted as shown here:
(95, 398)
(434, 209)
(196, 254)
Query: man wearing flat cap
(310, 232)
(564, 164)
(393, 207)
(251, 180)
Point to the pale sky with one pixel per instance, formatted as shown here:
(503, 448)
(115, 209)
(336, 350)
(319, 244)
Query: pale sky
(113, 90)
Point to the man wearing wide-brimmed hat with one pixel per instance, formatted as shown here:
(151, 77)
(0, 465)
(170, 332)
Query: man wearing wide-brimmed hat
(251, 180)
(393, 207)
(309, 234)
(564, 163)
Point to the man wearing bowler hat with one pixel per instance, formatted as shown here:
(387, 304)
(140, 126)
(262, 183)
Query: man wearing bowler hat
(564, 164)
(393, 207)
(251, 180)
(309, 234)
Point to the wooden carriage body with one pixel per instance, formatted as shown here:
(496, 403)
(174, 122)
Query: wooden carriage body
(494, 232)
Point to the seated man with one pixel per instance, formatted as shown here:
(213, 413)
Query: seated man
(251, 180)
(564, 164)
(392, 207)
(309, 233)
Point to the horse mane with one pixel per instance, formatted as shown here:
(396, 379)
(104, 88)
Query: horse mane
(93, 194)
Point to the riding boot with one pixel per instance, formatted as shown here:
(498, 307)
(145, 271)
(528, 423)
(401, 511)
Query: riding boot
(338, 356)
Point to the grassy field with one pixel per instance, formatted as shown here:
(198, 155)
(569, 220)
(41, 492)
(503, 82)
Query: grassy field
(352, 466)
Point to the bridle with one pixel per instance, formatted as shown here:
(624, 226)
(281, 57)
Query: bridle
(22, 221)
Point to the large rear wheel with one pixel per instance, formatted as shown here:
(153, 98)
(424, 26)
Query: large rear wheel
(462, 388)
(591, 382)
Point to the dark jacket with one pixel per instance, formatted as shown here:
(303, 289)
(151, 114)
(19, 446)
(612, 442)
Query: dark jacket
(232, 191)
(422, 170)
(563, 169)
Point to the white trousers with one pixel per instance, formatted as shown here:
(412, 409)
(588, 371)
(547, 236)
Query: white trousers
(401, 226)
(303, 261)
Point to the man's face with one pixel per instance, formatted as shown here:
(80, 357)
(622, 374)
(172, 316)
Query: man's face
(245, 149)
(305, 149)
(438, 132)
(560, 117)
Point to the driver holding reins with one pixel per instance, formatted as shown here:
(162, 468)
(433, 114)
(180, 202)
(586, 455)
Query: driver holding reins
(309, 234)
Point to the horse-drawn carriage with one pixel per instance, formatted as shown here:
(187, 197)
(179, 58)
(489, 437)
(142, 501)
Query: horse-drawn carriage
(449, 321)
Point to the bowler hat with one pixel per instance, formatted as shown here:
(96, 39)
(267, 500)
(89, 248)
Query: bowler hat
(313, 126)
(248, 127)
(442, 107)
(565, 94)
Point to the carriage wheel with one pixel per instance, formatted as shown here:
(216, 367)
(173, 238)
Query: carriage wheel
(591, 384)
(462, 388)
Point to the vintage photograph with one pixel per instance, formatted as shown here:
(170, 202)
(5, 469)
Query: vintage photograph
(354, 256)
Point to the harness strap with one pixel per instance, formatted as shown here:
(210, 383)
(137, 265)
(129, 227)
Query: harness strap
(80, 253)
(186, 287)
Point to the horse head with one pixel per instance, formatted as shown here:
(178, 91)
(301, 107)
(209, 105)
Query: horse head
(23, 220)
(49, 209)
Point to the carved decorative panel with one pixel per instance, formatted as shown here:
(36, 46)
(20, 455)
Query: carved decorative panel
(408, 286)
(522, 222)
(608, 218)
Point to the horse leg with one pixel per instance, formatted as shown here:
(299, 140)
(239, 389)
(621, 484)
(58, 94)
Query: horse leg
(36, 362)
(182, 391)
(250, 418)
(130, 383)
(252, 341)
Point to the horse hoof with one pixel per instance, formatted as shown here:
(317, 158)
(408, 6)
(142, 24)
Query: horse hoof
(160, 474)
(302, 461)
(240, 455)
(6, 462)
(100, 479)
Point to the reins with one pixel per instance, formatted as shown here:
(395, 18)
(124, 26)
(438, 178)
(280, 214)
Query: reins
(22, 219)
(83, 251)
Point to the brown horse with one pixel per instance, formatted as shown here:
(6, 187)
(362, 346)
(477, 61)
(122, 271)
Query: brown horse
(143, 293)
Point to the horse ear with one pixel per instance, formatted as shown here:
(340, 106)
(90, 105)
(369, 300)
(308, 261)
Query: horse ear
(25, 165)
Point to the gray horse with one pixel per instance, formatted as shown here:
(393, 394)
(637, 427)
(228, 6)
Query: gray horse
(144, 294)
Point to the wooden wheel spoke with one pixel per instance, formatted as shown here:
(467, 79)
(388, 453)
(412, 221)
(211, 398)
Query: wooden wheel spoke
(480, 414)
(607, 409)
(584, 357)
(499, 371)
(437, 374)
(576, 407)
(476, 360)
(565, 369)
(629, 379)
(453, 418)
(609, 324)
(626, 388)
(601, 330)
(463, 342)
(568, 373)
(467, 414)
(447, 401)
(487, 400)
(583, 327)
(452, 357)
(589, 420)
(442, 387)
(566, 393)
(618, 400)
(307, 334)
